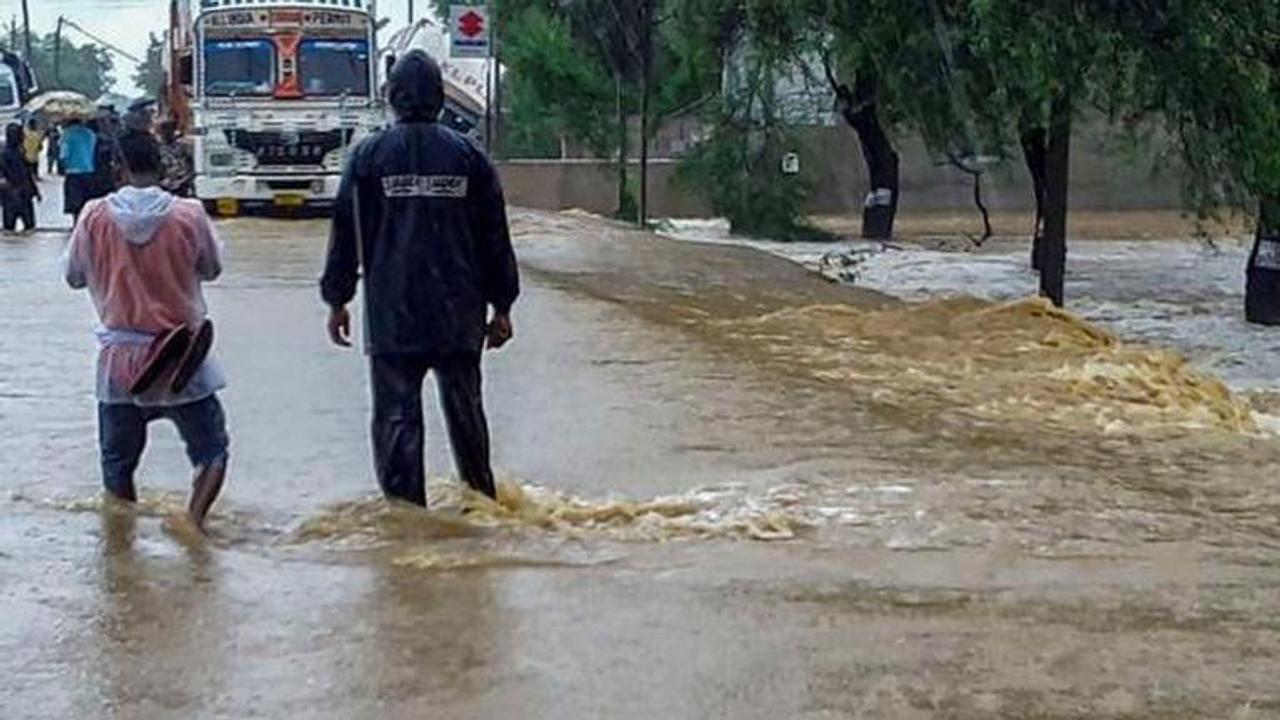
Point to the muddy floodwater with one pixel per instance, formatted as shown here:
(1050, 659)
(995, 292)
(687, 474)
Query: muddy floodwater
(730, 488)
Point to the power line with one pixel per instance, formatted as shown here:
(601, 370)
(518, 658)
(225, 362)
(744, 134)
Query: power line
(123, 53)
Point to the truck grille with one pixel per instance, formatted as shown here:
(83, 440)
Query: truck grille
(277, 148)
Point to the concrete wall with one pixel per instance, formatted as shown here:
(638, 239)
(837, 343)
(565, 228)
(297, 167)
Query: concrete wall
(592, 185)
(1103, 177)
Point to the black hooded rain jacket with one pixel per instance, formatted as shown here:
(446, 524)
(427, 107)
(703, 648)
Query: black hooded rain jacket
(420, 212)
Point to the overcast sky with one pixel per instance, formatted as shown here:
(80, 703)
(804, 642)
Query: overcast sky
(126, 23)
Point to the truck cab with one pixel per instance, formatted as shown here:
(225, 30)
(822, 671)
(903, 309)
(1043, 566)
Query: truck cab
(277, 92)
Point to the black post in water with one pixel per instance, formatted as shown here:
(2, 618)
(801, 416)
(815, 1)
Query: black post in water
(646, 57)
(1053, 253)
(620, 109)
(1262, 283)
(1033, 140)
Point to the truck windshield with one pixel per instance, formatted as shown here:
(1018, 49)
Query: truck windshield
(8, 88)
(334, 67)
(239, 67)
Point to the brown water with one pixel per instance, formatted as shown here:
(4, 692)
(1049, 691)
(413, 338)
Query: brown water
(729, 490)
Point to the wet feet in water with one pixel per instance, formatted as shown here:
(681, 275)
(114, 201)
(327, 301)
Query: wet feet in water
(205, 489)
(126, 494)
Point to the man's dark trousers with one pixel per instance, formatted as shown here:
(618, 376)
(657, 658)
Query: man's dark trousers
(398, 432)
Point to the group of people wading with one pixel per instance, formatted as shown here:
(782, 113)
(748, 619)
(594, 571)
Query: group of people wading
(419, 214)
(86, 152)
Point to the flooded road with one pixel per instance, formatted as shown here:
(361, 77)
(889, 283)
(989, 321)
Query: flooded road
(729, 489)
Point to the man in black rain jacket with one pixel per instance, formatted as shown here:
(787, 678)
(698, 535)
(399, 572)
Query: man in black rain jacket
(420, 212)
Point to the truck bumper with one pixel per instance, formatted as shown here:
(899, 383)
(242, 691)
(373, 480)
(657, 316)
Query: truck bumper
(258, 191)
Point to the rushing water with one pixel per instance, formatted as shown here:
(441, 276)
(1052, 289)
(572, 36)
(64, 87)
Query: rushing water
(728, 489)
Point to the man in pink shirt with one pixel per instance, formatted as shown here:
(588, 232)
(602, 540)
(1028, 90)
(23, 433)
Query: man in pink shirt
(143, 255)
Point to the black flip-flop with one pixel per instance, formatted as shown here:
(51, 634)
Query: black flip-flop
(164, 351)
(193, 358)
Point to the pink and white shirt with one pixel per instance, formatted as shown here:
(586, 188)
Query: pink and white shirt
(143, 255)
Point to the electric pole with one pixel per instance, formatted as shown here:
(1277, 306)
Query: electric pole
(646, 60)
(26, 30)
(57, 54)
(411, 12)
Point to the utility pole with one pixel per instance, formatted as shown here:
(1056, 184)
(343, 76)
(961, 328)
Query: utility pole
(496, 146)
(646, 58)
(411, 12)
(26, 30)
(57, 54)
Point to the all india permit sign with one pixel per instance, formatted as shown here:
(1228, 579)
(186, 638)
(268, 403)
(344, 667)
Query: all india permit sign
(468, 31)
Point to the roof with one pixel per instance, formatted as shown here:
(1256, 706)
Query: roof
(364, 5)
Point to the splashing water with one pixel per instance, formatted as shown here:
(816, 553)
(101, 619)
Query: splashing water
(457, 512)
(1008, 362)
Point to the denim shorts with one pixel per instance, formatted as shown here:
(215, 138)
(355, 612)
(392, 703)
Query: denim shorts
(122, 436)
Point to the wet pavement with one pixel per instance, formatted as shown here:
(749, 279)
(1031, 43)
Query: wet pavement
(730, 489)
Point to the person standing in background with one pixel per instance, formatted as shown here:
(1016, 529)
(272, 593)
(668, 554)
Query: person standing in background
(52, 139)
(78, 149)
(179, 168)
(32, 142)
(106, 157)
(18, 188)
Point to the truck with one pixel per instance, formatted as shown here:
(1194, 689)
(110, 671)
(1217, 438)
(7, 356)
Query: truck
(271, 95)
(465, 80)
(17, 86)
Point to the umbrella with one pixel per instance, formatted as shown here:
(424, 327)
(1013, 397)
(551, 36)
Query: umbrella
(59, 105)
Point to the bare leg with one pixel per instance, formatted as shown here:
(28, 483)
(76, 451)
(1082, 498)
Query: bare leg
(204, 490)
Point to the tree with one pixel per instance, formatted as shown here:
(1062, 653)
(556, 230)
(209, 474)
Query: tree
(85, 69)
(738, 168)
(1217, 95)
(149, 76)
(555, 91)
(574, 72)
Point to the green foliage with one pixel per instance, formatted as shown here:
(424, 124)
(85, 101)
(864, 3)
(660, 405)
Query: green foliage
(566, 62)
(85, 69)
(149, 76)
(968, 76)
(1215, 92)
(554, 91)
(738, 169)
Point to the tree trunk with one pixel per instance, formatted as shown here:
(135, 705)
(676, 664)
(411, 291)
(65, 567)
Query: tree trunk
(620, 107)
(1262, 287)
(859, 110)
(646, 60)
(1053, 252)
(1034, 141)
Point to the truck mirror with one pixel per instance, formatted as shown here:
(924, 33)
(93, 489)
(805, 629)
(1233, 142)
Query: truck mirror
(186, 75)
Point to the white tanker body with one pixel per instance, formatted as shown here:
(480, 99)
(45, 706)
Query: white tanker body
(273, 94)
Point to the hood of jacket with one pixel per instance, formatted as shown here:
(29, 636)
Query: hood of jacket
(415, 87)
(139, 211)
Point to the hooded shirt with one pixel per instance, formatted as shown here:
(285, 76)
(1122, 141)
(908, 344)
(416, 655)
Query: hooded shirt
(420, 211)
(143, 255)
